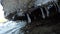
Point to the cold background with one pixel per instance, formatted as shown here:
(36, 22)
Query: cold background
(50, 25)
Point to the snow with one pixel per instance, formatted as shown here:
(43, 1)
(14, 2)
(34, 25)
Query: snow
(2, 18)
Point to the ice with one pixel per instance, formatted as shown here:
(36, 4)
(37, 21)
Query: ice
(12, 27)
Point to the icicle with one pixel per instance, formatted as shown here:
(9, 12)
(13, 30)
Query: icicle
(29, 20)
(54, 4)
(42, 13)
(13, 18)
(47, 11)
(57, 6)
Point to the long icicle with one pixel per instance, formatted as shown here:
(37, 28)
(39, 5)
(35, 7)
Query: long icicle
(47, 11)
(42, 13)
(29, 19)
(55, 5)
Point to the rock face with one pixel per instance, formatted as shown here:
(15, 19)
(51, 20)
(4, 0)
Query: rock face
(11, 7)
(43, 26)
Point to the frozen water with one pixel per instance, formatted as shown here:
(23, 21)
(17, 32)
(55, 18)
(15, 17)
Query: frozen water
(2, 18)
(12, 27)
(40, 2)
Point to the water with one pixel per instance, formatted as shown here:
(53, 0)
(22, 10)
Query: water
(12, 27)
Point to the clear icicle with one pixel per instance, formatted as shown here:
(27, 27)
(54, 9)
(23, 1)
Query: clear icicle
(42, 13)
(47, 11)
(54, 4)
(29, 20)
(57, 6)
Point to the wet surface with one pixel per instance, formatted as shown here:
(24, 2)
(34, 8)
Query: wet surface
(44, 20)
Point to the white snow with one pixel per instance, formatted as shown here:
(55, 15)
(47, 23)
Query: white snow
(2, 18)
